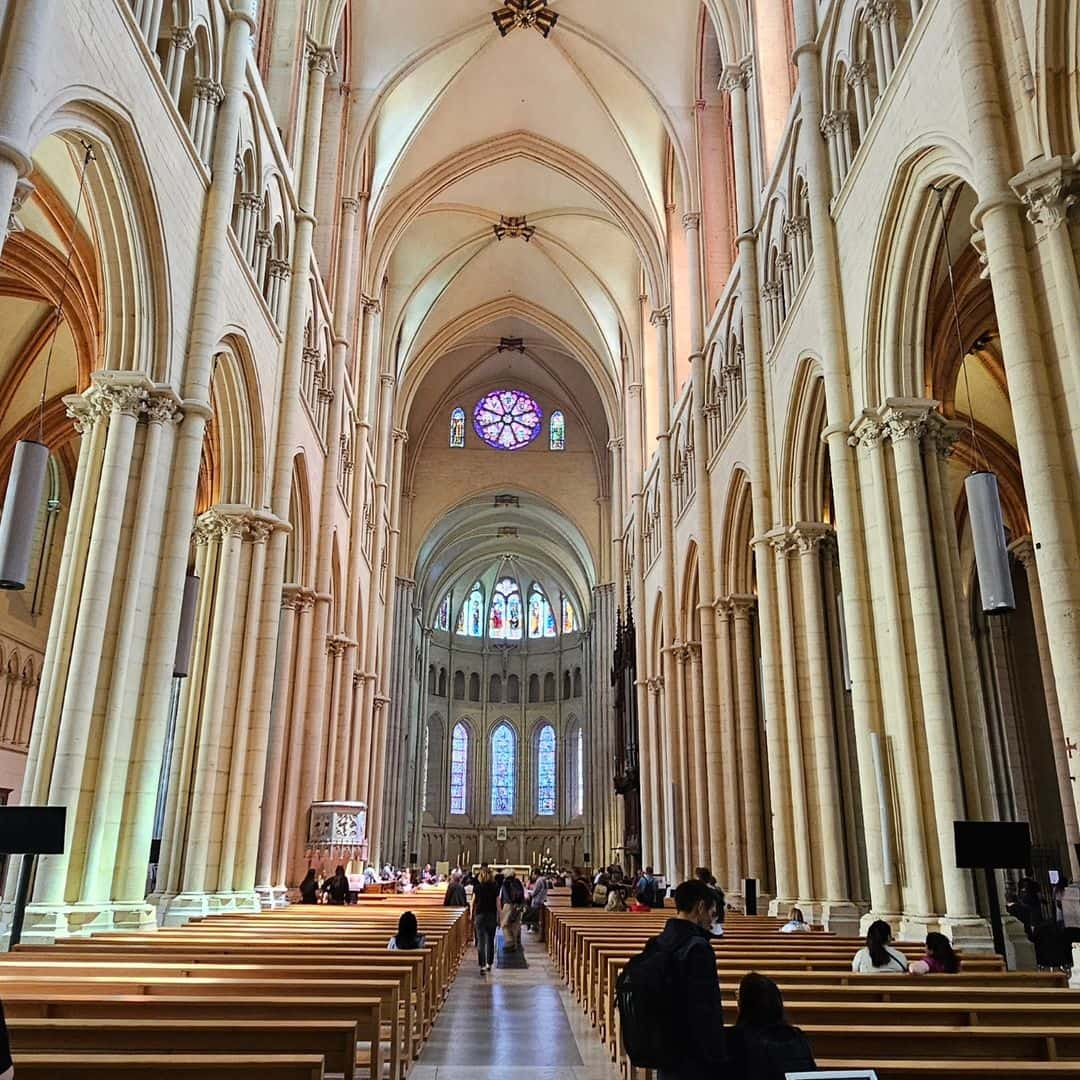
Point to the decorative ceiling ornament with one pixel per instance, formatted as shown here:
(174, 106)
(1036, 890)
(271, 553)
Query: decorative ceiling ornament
(512, 344)
(513, 227)
(525, 14)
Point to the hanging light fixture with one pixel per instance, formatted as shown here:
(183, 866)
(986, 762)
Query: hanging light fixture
(184, 636)
(29, 466)
(525, 14)
(981, 484)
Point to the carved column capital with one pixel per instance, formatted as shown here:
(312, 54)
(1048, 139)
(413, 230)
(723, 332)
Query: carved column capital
(182, 38)
(691, 221)
(1046, 191)
(742, 604)
(809, 536)
(660, 316)
(736, 76)
(867, 431)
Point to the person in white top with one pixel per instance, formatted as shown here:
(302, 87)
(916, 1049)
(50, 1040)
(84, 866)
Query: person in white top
(878, 957)
(796, 924)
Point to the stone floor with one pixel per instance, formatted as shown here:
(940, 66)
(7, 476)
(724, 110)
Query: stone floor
(519, 1018)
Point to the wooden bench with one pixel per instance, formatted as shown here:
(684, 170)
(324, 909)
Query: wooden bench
(332, 1040)
(180, 1066)
(360, 1013)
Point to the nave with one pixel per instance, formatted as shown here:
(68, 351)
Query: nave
(523, 1023)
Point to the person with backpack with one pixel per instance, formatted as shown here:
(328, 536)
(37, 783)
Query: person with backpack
(668, 995)
(648, 888)
(762, 1044)
(511, 906)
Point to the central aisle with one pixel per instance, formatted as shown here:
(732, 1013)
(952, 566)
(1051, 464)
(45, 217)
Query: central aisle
(524, 1018)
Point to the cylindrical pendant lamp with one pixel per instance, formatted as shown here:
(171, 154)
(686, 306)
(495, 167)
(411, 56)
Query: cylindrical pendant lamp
(988, 539)
(18, 521)
(182, 659)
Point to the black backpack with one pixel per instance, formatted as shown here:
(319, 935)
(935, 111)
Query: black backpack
(515, 891)
(647, 993)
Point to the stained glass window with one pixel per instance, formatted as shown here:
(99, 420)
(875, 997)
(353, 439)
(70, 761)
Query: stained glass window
(569, 617)
(507, 419)
(502, 770)
(505, 618)
(545, 759)
(557, 430)
(541, 617)
(470, 621)
(459, 768)
(457, 429)
(442, 620)
(579, 778)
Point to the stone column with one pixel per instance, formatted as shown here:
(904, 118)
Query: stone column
(1038, 437)
(735, 81)
(906, 427)
(707, 720)
(838, 913)
(119, 402)
(702, 821)
(180, 43)
(963, 662)
(378, 777)
(679, 718)
(1046, 189)
(655, 687)
(895, 683)
(734, 805)
(236, 878)
(668, 732)
(206, 328)
(789, 788)
(265, 879)
(27, 31)
(130, 644)
(377, 590)
(836, 370)
(749, 751)
(1024, 552)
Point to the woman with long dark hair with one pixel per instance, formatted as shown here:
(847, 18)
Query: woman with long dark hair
(878, 956)
(408, 934)
(940, 959)
(762, 1044)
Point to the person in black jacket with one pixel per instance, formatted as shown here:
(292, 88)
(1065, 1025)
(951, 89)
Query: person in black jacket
(337, 887)
(762, 1044)
(309, 888)
(698, 1013)
(455, 892)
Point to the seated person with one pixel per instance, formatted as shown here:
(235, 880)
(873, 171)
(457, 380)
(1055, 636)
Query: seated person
(763, 1045)
(408, 934)
(796, 924)
(878, 957)
(939, 959)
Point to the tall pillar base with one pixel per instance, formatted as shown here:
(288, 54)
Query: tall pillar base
(1019, 951)
(840, 917)
(972, 934)
(45, 923)
(272, 896)
(181, 908)
(780, 906)
(893, 918)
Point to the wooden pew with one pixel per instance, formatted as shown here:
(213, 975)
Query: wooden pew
(20, 985)
(360, 1013)
(180, 1066)
(332, 1040)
